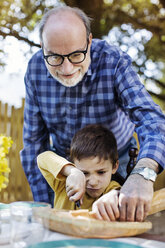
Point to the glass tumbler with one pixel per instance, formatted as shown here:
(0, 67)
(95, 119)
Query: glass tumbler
(26, 228)
(5, 228)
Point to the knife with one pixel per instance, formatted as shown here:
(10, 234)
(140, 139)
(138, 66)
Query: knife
(78, 203)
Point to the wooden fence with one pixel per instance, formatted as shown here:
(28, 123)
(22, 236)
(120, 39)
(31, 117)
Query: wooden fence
(11, 124)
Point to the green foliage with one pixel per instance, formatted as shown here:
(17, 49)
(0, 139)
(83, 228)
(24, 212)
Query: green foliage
(125, 17)
(19, 17)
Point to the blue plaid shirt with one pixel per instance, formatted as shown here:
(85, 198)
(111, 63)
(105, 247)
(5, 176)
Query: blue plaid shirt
(110, 93)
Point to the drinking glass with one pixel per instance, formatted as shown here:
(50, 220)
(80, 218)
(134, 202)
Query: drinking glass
(26, 227)
(5, 228)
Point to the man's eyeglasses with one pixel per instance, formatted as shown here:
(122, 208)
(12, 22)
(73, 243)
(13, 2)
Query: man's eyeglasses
(74, 57)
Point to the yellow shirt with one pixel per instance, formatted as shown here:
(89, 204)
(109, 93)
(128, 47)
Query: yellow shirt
(50, 165)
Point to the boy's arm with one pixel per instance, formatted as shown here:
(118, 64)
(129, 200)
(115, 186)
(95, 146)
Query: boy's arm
(75, 183)
(50, 165)
(54, 167)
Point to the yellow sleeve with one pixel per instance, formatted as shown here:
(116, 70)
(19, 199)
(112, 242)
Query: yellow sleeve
(112, 185)
(50, 165)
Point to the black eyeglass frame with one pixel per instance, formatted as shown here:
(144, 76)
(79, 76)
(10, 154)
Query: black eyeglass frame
(66, 56)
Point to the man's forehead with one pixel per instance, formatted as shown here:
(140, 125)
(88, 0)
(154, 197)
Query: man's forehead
(64, 37)
(59, 24)
(63, 20)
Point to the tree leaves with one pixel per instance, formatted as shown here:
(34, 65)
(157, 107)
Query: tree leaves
(18, 18)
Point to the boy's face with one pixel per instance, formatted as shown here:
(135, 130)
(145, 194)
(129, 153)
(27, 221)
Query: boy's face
(98, 174)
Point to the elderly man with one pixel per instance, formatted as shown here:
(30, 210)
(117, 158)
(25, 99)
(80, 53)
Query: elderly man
(75, 80)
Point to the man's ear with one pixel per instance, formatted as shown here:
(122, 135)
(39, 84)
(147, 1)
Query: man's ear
(115, 167)
(90, 39)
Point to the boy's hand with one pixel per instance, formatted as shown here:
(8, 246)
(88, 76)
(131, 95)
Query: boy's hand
(75, 185)
(106, 207)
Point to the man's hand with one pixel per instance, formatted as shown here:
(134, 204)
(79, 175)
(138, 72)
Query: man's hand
(75, 185)
(135, 198)
(106, 207)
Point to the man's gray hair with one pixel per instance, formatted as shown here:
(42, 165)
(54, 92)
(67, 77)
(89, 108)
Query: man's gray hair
(85, 19)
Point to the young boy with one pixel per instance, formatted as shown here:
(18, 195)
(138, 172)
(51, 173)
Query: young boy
(88, 179)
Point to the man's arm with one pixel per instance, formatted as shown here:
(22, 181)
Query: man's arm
(138, 105)
(136, 194)
(36, 140)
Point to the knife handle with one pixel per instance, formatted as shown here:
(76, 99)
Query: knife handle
(78, 203)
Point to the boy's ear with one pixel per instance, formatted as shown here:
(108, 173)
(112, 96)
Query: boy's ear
(115, 167)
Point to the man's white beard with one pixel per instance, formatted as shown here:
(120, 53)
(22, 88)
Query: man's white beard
(70, 82)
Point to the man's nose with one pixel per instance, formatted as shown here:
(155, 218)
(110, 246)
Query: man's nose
(67, 67)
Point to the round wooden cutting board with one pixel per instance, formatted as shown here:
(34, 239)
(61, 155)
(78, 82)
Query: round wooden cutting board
(71, 223)
(64, 222)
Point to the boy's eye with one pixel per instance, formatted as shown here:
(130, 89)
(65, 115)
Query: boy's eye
(85, 173)
(101, 172)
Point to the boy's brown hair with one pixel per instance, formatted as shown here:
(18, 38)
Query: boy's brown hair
(94, 140)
